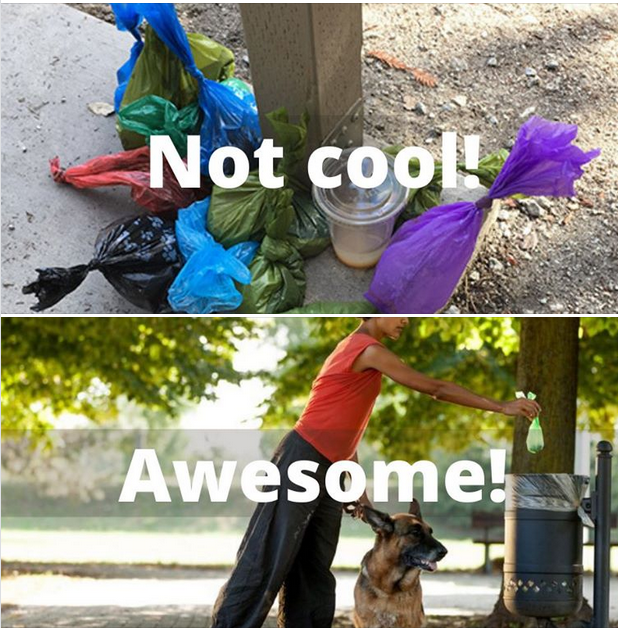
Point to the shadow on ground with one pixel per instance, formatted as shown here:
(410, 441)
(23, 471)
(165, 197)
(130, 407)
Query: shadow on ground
(160, 617)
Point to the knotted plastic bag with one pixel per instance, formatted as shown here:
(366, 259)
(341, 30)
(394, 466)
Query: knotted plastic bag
(154, 70)
(278, 274)
(278, 282)
(227, 119)
(153, 115)
(534, 440)
(241, 214)
(206, 282)
(138, 256)
(421, 199)
(130, 168)
(309, 229)
(424, 261)
(127, 20)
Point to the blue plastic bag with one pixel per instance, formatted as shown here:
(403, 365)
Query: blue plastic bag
(127, 19)
(228, 119)
(205, 283)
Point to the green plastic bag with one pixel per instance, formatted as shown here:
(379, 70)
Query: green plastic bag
(419, 199)
(309, 228)
(278, 282)
(278, 271)
(422, 199)
(159, 72)
(489, 167)
(153, 115)
(241, 214)
(293, 139)
(534, 441)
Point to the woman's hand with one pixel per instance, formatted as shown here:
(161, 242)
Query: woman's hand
(521, 407)
(357, 509)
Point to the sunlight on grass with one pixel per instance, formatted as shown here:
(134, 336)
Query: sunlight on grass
(194, 548)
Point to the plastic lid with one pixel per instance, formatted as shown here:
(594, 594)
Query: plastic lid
(352, 205)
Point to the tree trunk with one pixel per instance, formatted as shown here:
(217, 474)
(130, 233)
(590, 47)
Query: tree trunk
(547, 366)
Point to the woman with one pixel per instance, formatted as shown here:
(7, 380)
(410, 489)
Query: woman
(289, 547)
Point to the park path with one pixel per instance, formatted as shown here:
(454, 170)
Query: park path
(184, 598)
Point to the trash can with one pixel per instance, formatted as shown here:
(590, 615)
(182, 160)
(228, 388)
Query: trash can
(544, 544)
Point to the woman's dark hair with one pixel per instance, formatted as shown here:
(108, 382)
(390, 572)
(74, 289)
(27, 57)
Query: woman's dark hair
(365, 318)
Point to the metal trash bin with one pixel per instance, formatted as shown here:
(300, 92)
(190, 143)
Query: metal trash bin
(543, 571)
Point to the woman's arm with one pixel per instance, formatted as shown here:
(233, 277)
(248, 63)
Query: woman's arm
(364, 499)
(380, 358)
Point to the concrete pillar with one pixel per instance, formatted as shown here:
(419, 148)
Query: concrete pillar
(308, 56)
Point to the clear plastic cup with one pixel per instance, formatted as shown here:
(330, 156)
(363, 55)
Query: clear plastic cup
(361, 221)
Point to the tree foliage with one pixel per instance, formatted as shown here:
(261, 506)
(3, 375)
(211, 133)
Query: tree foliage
(98, 366)
(85, 365)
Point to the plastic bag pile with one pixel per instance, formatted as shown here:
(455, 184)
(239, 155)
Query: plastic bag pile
(243, 250)
(207, 250)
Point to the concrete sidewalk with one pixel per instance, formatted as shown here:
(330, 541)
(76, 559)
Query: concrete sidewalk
(55, 61)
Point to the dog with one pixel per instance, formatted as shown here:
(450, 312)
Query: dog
(388, 589)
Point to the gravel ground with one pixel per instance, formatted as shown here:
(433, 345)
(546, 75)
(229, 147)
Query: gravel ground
(496, 65)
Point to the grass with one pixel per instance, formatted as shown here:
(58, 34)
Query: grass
(205, 547)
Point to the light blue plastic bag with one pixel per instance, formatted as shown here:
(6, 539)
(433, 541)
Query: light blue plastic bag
(205, 283)
(228, 119)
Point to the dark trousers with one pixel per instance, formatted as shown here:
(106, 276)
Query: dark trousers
(288, 548)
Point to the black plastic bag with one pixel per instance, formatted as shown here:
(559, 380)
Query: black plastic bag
(138, 256)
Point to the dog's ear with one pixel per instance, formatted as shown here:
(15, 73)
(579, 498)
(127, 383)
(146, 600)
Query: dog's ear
(415, 509)
(380, 522)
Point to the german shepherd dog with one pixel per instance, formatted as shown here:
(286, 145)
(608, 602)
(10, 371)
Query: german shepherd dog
(388, 590)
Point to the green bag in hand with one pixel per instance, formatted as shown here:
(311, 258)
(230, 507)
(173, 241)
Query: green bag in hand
(534, 441)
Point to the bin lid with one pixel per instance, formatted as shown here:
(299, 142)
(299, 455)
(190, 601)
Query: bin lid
(558, 492)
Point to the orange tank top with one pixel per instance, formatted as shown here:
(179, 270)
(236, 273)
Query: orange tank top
(341, 401)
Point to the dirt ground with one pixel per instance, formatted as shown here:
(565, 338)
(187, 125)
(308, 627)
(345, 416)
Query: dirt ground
(495, 66)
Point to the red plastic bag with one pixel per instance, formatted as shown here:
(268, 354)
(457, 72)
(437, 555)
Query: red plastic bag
(132, 168)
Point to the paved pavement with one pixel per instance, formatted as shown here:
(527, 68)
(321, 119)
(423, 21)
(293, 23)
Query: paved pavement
(184, 598)
(55, 61)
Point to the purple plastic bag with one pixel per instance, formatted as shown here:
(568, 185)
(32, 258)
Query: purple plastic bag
(425, 259)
